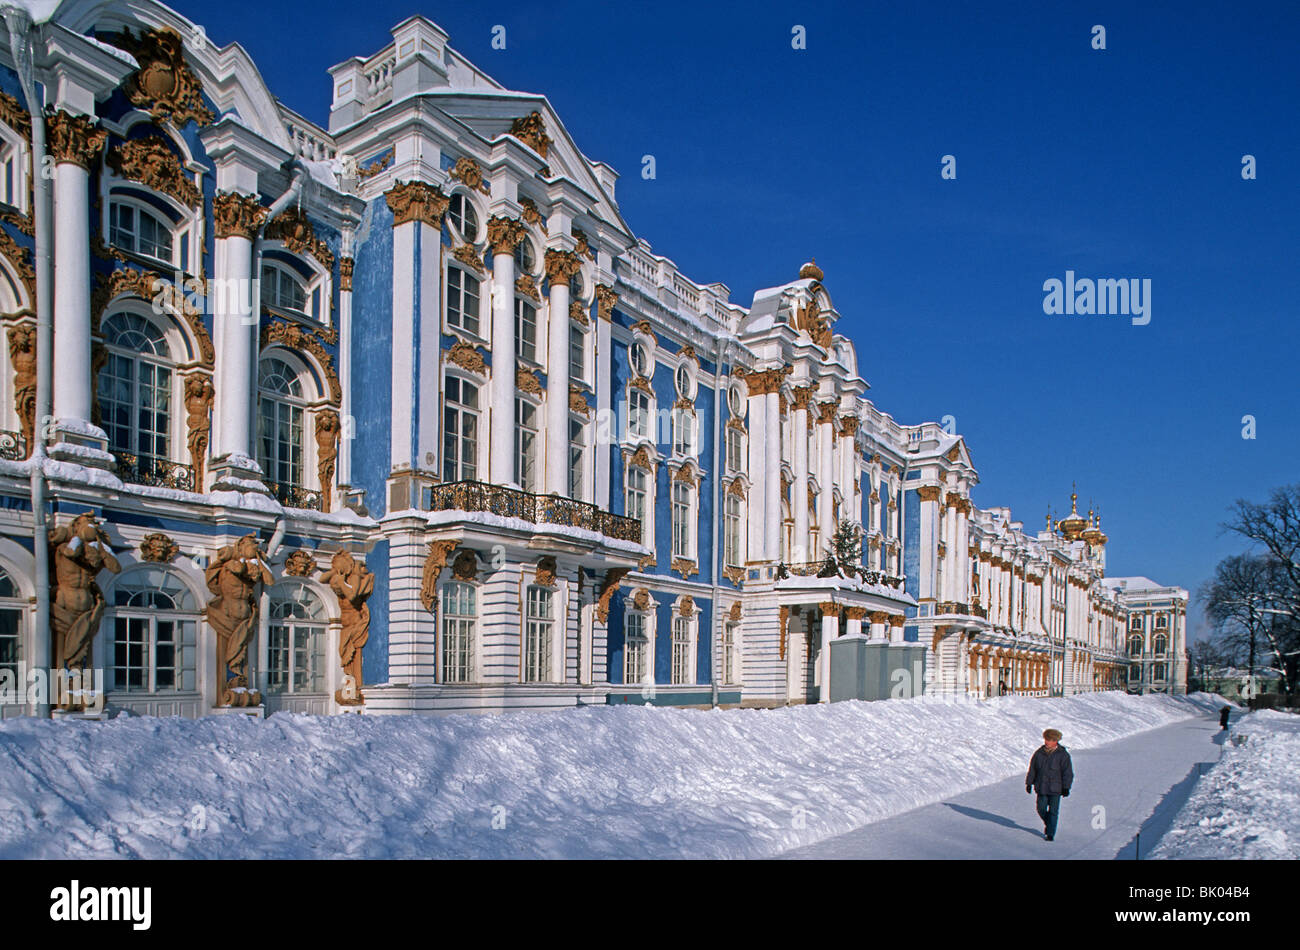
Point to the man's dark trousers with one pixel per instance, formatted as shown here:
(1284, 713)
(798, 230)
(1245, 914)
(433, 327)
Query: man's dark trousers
(1049, 809)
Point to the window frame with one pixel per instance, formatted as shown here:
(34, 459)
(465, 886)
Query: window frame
(683, 651)
(167, 363)
(185, 623)
(298, 404)
(468, 622)
(541, 629)
(474, 444)
(689, 529)
(317, 653)
(533, 484)
(455, 282)
(177, 233)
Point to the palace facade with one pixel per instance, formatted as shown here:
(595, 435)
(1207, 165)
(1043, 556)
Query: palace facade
(399, 415)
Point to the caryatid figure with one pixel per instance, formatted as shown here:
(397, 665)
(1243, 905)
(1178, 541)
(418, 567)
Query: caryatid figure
(234, 579)
(353, 584)
(79, 551)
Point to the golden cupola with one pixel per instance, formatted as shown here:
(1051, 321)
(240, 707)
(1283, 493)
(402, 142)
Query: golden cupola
(1072, 526)
(1093, 533)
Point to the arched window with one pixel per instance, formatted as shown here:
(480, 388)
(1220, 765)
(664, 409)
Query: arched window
(640, 359)
(640, 414)
(459, 615)
(139, 230)
(11, 628)
(525, 258)
(295, 655)
(638, 504)
(154, 622)
(526, 445)
(135, 391)
(1157, 672)
(461, 213)
(683, 652)
(282, 289)
(1161, 644)
(280, 406)
(1135, 646)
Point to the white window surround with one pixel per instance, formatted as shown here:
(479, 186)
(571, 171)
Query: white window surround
(15, 165)
(453, 609)
(686, 379)
(735, 628)
(456, 279)
(455, 217)
(560, 597)
(176, 232)
(684, 519)
(180, 351)
(690, 626)
(646, 619)
(647, 517)
(642, 418)
(480, 449)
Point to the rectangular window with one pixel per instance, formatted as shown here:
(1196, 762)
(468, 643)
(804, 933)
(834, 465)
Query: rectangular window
(735, 450)
(577, 458)
(460, 431)
(10, 643)
(637, 496)
(681, 668)
(635, 649)
(526, 330)
(681, 519)
(526, 445)
(458, 615)
(731, 532)
(462, 300)
(683, 432)
(577, 354)
(537, 636)
(729, 667)
(639, 417)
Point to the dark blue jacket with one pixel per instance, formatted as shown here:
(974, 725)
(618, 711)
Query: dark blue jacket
(1050, 773)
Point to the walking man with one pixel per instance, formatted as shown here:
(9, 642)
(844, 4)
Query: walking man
(1224, 713)
(1050, 775)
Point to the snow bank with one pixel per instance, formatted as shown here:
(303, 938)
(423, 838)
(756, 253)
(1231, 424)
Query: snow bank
(627, 781)
(1247, 806)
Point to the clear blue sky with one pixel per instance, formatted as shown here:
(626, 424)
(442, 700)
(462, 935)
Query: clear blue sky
(1117, 163)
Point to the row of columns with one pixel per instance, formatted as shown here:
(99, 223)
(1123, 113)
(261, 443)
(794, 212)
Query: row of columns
(830, 629)
(1020, 671)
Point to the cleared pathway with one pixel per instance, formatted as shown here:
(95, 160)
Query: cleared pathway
(1125, 795)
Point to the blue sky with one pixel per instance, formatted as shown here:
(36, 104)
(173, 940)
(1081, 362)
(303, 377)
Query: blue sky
(1117, 163)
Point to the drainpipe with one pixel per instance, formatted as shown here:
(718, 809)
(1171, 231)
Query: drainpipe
(21, 30)
(716, 637)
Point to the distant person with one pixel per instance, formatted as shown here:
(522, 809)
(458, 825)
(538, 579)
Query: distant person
(1224, 713)
(1002, 687)
(1050, 774)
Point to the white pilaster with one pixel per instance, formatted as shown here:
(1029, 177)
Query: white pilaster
(772, 475)
(560, 266)
(799, 549)
(502, 443)
(826, 475)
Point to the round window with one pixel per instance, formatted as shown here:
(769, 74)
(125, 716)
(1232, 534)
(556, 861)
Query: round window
(525, 259)
(736, 402)
(462, 215)
(640, 360)
(685, 385)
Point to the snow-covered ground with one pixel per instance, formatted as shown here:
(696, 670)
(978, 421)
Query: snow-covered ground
(1247, 806)
(596, 782)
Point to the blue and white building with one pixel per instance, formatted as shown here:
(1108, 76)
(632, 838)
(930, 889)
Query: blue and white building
(424, 337)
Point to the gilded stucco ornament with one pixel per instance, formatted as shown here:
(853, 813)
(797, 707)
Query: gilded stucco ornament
(236, 215)
(353, 584)
(164, 85)
(22, 355)
(416, 201)
(151, 163)
(235, 580)
(531, 130)
(470, 174)
(328, 429)
(75, 139)
(78, 552)
(199, 395)
(158, 547)
(466, 357)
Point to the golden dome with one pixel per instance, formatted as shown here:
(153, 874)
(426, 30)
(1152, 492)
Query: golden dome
(811, 271)
(1073, 525)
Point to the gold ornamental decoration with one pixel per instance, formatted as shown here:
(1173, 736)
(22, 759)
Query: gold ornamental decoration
(416, 201)
(22, 355)
(377, 165)
(640, 459)
(236, 215)
(686, 474)
(466, 357)
(74, 139)
(20, 258)
(545, 573)
(353, 584)
(292, 228)
(802, 396)
(434, 561)
(151, 163)
(465, 567)
(927, 492)
(158, 547)
(164, 85)
(328, 428)
(531, 130)
(531, 215)
(294, 337)
(764, 382)
(158, 290)
(641, 599)
(561, 266)
(78, 552)
(734, 614)
(470, 174)
(643, 326)
(613, 577)
(504, 234)
(527, 382)
(578, 314)
(734, 574)
(346, 265)
(684, 567)
(686, 606)
(606, 300)
(785, 621)
(236, 580)
(578, 402)
(826, 412)
(583, 248)
(300, 563)
(15, 115)
(199, 395)
(466, 254)
(526, 284)
(736, 489)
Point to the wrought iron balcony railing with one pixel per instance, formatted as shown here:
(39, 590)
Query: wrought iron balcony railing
(536, 509)
(830, 567)
(148, 470)
(294, 496)
(12, 446)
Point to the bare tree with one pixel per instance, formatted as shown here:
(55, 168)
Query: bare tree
(1248, 601)
(1205, 656)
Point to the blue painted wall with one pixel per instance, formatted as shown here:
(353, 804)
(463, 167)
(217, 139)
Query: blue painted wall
(372, 368)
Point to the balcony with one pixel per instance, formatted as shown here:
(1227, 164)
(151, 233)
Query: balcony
(294, 496)
(535, 509)
(13, 446)
(156, 472)
(832, 568)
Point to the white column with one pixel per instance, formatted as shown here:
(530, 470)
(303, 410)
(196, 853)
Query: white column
(855, 616)
(830, 630)
(605, 299)
(560, 267)
(345, 364)
(879, 620)
(504, 235)
(962, 531)
(771, 474)
(799, 549)
(71, 295)
(826, 475)
(848, 470)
